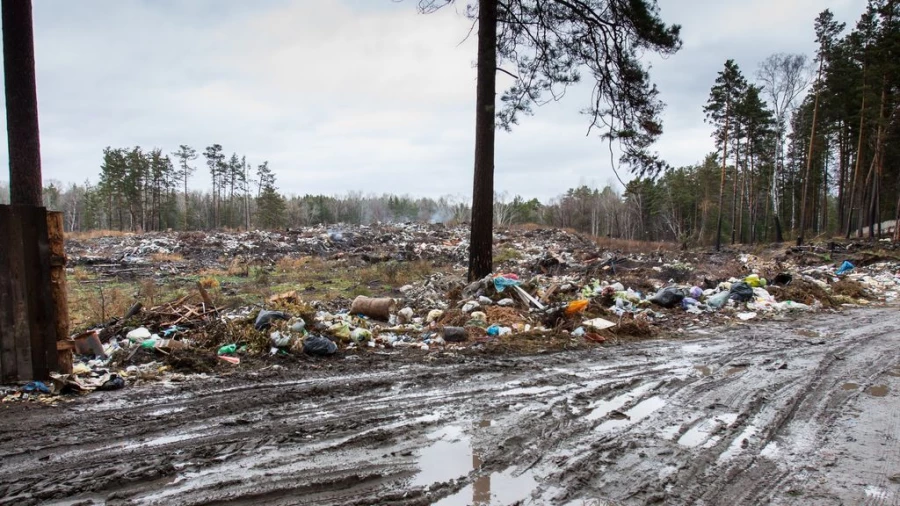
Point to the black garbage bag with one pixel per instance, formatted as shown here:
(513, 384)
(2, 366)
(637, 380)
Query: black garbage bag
(669, 296)
(741, 292)
(782, 279)
(318, 345)
(265, 318)
(114, 383)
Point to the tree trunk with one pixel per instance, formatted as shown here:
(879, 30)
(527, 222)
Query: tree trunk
(481, 237)
(825, 191)
(722, 182)
(842, 169)
(809, 155)
(878, 162)
(23, 134)
(859, 147)
(734, 183)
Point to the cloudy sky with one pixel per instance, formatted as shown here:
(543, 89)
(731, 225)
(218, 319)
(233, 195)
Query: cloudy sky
(354, 95)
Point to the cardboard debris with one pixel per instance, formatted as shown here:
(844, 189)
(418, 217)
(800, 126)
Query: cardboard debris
(598, 323)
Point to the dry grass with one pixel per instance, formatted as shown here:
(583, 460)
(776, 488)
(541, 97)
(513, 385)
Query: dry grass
(95, 234)
(148, 291)
(80, 273)
(804, 292)
(166, 257)
(849, 288)
(289, 265)
(89, 307)
(209, 282)
(395, 273)
(633, 246)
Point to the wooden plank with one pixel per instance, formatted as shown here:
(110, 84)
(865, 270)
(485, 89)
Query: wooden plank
(47, 303)
(8, 367)
(19, 295)
(58, 289)
(41, 309)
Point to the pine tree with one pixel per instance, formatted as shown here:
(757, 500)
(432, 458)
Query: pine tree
(720, 111)
(185, 155)
(548, 43)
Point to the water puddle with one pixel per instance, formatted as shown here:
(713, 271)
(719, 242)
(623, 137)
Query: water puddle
(739, 443)
(164, 440)
(452, 455)
(497, 488)
(807, 333)
(692, 348)
(703, 369)
(849, 386)
(703, 431)
(166, 411)
(877, 390)
(894, 372)
(734, 370)
(447, 458)
(600, 409)
(527, 391)
(634, 415)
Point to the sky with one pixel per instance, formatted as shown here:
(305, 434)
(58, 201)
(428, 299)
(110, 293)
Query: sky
(356, 95)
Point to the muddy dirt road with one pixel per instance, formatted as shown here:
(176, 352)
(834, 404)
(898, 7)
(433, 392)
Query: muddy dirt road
(802, 412)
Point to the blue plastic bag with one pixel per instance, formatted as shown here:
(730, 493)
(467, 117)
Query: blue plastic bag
(845, 268)
(500, 283)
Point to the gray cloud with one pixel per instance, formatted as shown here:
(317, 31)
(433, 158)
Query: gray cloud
(354, 95)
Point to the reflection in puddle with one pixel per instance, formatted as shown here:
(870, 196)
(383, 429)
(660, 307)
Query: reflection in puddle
(446, 458)
(849, 386)
(739, 443)
(701, 432)
(164, 440)
(452, 455)
(602, 408)
(877, 390)
(498, 488)
(704, 370)
(640, 411)
(735, 370)
(527, 391)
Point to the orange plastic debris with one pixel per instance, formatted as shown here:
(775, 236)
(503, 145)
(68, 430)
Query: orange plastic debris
(576, 306)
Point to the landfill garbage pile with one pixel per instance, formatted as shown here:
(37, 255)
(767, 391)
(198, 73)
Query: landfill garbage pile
(552, 290)
(375, 243)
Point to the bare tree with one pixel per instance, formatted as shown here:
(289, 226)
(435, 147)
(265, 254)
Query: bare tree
(783, 77)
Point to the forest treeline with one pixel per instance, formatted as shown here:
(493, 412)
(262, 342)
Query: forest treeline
(806, 146)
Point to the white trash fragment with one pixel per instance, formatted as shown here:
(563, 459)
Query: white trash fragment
(599, 323)
(434, 315)
(139, 333)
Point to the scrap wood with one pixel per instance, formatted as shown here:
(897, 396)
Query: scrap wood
(549, 293)
(526, 297)
(205, 295)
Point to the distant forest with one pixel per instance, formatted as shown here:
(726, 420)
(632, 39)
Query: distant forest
(805, 145)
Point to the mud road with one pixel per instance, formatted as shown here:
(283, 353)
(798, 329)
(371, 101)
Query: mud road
(793, 412)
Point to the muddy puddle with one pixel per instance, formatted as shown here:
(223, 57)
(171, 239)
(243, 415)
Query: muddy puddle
(453, 455)
(878, 390)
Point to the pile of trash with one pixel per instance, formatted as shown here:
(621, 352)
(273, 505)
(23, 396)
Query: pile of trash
(553, 290)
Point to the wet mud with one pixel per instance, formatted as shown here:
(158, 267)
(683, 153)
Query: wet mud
(784, 412)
